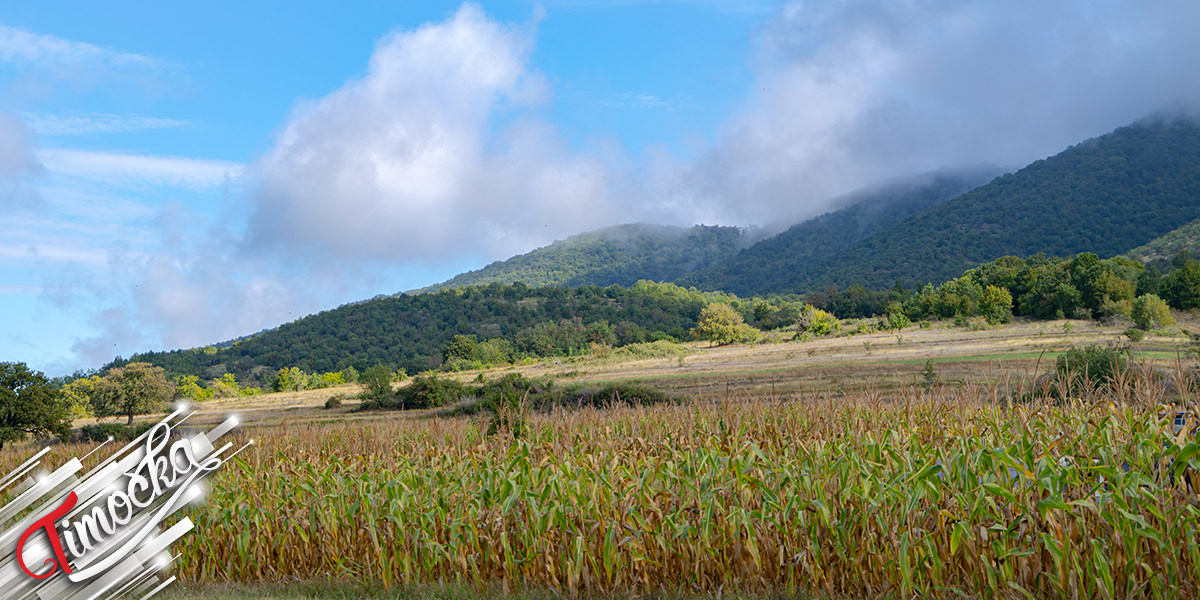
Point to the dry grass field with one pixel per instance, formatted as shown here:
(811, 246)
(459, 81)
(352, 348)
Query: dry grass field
(780, 367)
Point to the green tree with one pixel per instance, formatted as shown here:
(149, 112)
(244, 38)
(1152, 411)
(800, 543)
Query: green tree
(996, 305)
(1182, 287)
(29, 404)
(377, 381)
(461, 347)
(600, 332)
(290, 380)
(137, 388)
(495, 351)
(720, 324)
(1151, 312)
(895, 319)
(1149, 281)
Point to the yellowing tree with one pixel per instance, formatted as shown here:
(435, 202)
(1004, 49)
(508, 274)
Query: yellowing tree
(720, 324)
(77, 396)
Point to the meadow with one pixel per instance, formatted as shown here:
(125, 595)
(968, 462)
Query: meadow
(841, 473)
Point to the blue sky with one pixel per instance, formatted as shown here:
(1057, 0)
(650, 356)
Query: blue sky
(178, 175)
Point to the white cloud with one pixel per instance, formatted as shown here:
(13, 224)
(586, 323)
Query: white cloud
(93, 122)
(36, 68)
(436, 150)
(21, 47)
(140, 169)
(848, 94)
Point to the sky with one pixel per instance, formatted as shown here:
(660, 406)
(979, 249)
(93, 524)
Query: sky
(176, 175)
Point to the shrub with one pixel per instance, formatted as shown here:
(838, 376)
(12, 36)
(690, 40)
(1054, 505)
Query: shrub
(456, 364)
(818, 322)
(100, 432)
(377, 382)
(1135, 334)
(431, 391)
(578, 396)
(1151, 312)
(897, 321)
(335, 401)
(1112, 309)
(1091, 365)
(659, 349)
(504, 400)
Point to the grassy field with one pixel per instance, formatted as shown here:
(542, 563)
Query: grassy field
(783, 368)
(822, 468)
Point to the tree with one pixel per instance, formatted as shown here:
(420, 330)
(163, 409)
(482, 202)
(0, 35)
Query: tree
(720, 324)
(895, 319)
(377, 381)
(135, 389)
(188, 386)
(1150, 312)
(494, 351)
(290, 379)
(996, 305)
(1182, 287)
(77, 396)
(29, 404)
(225, 387)
(461, 347)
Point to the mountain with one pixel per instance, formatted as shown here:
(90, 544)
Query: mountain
(410, 331)
(1106, 195)
(618, 255)
(776, 264)
(1165, 247)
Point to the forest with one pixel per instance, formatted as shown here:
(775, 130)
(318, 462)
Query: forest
(497, 324)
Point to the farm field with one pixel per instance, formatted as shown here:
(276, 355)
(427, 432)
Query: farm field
(878, 361)
(826, 469)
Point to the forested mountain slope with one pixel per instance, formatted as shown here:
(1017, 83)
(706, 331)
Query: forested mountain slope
(1165, 247)
(776, 263)
(619, 255)
(1107, 195)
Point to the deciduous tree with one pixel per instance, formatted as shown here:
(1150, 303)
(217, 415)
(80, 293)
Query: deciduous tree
(720, 324)
(29, 404)
(137, 388)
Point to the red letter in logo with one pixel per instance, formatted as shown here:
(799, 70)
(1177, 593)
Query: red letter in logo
(47, 523)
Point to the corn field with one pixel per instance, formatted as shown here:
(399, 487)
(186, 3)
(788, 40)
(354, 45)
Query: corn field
(941, 493)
